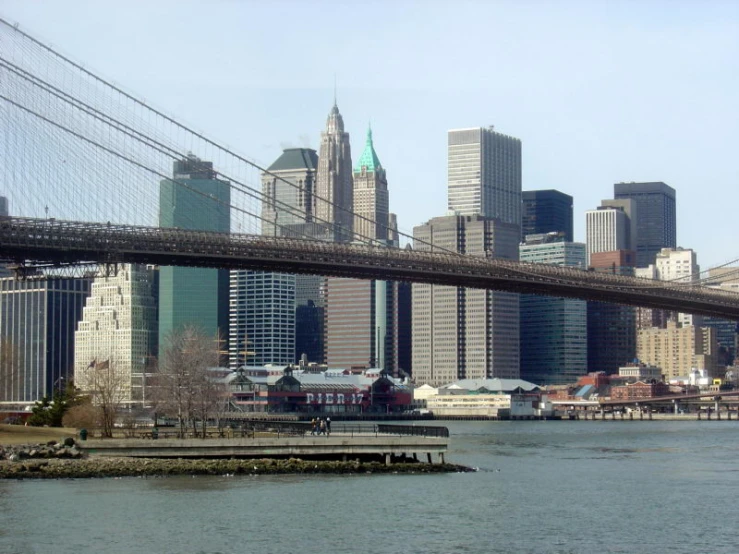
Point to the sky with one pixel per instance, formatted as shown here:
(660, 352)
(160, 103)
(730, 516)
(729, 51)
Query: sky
(598, 92)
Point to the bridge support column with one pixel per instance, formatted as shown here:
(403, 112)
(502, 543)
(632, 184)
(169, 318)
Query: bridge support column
(699, 415)
(388, 458)
(728, 414)
(650, 415)
(677, 406)
(641, 415)
(631, 415)
(603, 415)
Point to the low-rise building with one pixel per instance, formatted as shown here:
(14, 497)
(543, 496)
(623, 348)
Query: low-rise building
(485, 398)
(638, 371)
(285, 389)
(639, 390)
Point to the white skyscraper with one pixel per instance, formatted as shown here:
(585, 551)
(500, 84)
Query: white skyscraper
(119, 326)
(484, 174)
(607, 228)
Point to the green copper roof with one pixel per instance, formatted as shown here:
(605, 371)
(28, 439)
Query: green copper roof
(369, 157)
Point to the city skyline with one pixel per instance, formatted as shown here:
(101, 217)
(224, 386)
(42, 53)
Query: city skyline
(580, 133)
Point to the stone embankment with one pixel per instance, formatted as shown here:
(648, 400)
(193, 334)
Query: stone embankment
(66, 449)
(60, 461)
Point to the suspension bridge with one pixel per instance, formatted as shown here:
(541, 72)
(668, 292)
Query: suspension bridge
(82, 160)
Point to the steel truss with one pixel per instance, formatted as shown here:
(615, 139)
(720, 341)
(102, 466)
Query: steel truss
(47, 242)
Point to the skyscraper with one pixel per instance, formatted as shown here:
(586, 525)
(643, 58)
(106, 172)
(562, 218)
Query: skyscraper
(547, 211)
(553, 330)
(608, 228)
(262, 327)
(334, 189)
(656, 217)
(371, 199)
(630, 208)
(461, 333)
(361, 324)
(289, 187)
(361, 316)
(119, 325)
(194, 199)
(38, 316)
(611, 327)
(484, 174)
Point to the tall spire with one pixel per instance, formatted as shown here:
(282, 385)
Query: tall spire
(368, 159)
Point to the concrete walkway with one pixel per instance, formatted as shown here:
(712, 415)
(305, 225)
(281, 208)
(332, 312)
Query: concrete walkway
(314, 447)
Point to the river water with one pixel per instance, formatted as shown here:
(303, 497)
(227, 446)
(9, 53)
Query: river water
(554, 487)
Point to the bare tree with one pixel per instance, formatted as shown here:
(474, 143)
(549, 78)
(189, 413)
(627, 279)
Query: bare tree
(11, 361)
(184, 386)
(107, 388)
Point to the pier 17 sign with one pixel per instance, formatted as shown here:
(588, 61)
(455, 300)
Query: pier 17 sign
(334, 398)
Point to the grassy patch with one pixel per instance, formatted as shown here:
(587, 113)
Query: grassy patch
(20, 434)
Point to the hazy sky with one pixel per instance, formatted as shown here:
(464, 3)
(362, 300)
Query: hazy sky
(598, 92)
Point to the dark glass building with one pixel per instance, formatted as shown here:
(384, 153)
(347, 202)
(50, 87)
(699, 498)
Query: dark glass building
(656, 220)
(38, 318)
(611, 327)
(194, 199)
(546, 211)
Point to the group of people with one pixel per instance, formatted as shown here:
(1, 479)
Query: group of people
(320, 426)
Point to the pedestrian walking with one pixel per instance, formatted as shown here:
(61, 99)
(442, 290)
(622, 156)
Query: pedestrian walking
(323, 427)
(328, 425)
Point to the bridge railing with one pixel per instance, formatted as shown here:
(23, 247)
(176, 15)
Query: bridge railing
(306, 429)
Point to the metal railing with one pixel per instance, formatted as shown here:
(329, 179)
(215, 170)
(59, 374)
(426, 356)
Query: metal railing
(306, 429)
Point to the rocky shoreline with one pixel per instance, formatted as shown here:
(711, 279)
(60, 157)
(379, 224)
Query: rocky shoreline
(66, 461)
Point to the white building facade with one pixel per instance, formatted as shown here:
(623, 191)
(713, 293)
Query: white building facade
(118, 330)
(607, 229)
(484, 174)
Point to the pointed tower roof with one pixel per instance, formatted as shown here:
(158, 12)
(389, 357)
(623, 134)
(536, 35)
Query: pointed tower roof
(369, 157)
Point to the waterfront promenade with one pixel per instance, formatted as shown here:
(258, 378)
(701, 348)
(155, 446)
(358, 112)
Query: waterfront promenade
(363, 442)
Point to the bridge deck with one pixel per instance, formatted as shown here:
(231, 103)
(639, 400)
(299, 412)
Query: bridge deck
(51, 242)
